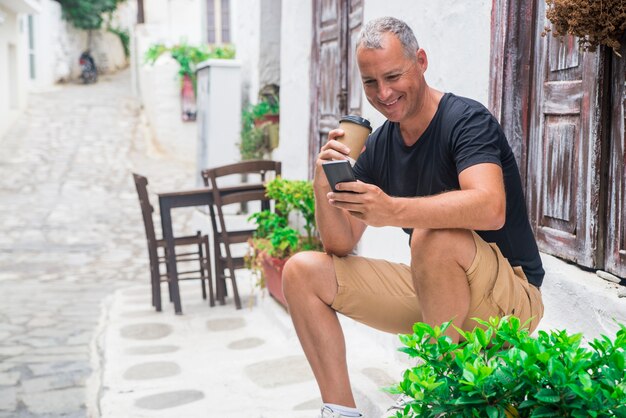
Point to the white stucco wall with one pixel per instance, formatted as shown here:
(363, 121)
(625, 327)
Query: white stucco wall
(179, 20)
(13, 68)
(295, 63)
(246, 34)
(47, 26)
(269, 57)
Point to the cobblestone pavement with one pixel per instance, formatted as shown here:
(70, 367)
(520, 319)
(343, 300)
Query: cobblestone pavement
(70, 234)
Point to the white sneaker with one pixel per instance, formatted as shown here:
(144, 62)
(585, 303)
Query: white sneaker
(326, 412)
(402, 401)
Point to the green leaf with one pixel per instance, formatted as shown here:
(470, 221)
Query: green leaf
(493, 412)
(543, 411)
(547, 395)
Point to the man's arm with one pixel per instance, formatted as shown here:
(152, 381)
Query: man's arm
(339, 231)
(479, 205)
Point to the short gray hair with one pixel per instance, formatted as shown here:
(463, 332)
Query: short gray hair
(373, 31)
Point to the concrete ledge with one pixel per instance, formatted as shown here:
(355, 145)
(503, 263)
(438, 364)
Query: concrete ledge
(580, 301)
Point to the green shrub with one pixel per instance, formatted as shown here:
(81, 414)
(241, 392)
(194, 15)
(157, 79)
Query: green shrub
(501, 371)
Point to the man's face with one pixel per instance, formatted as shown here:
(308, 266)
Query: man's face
(393, 83)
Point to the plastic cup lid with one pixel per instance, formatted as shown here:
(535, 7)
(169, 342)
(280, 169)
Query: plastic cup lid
(356, 119)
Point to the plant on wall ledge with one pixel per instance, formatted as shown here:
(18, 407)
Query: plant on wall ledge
(594, 22)
(259, 128)
(188, 56)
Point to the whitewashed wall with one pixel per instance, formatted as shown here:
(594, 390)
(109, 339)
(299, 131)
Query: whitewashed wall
(49, 68)
(179, 20)
(246, 33)
(295, 63)
(269, 57)
(13, 67)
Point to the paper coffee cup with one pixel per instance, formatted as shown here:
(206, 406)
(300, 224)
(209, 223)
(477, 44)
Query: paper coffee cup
(356, 130)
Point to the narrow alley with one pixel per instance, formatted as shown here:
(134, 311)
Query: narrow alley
(71, 234)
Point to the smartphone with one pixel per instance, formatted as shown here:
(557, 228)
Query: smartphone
(338, 171)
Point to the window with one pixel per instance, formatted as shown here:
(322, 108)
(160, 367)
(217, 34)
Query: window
(218, 21)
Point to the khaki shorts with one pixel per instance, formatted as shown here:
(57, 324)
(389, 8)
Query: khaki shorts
(380, 294)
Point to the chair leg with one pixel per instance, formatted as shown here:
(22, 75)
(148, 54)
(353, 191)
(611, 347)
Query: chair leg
(202, 270)
(233, 281)
(169, 283)
(209, 271)
(220, 281)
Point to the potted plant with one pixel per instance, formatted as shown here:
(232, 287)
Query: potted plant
(259, 128)
(499, 370)
(187, 57)
(276, 239)
(594, 22)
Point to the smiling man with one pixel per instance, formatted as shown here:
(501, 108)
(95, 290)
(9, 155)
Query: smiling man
(441, 168)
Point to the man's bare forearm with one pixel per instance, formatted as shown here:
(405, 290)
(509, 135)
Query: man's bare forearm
(339, 231)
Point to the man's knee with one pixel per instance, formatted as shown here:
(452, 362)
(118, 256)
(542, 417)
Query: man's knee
(307, 272)
(433, 247)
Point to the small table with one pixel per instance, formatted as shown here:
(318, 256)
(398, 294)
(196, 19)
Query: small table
(184, 198)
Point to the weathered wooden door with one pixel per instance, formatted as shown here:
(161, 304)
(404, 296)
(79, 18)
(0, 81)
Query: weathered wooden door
(335, 81)
(615, 244)
(564, 147)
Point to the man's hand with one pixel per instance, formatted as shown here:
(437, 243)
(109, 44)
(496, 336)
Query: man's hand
(366, 202)
(331, 150)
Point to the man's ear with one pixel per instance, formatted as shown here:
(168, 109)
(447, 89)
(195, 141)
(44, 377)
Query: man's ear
(422, 59)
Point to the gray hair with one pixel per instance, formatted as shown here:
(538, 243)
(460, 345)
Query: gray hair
(373, 31)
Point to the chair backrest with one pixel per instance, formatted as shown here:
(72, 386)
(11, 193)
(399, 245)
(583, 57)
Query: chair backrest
(260, 167)
(244, 192)
(141, 184)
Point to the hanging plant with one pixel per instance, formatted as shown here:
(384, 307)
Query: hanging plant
(594, 22)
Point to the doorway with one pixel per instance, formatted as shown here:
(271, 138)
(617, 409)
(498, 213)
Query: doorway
(335, 81)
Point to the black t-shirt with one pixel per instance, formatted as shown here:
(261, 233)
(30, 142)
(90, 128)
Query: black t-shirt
(462, 133)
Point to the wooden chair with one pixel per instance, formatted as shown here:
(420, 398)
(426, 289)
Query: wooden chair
(225, 236)
(200, 254)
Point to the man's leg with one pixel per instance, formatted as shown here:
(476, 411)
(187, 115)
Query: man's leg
(310, 286)
(439, 261)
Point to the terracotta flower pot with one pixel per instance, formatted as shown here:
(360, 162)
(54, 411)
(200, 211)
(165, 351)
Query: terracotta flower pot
(274, 119)
(273, 271)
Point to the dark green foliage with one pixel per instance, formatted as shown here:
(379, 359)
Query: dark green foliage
(501, 371)
(87, 14)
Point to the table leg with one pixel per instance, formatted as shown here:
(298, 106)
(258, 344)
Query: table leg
(170, 249)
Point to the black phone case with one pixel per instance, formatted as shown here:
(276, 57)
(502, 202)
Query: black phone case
(338, 172)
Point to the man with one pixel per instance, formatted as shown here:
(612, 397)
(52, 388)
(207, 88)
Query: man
(441, 169)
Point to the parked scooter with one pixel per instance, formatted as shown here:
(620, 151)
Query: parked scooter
(88, 70)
